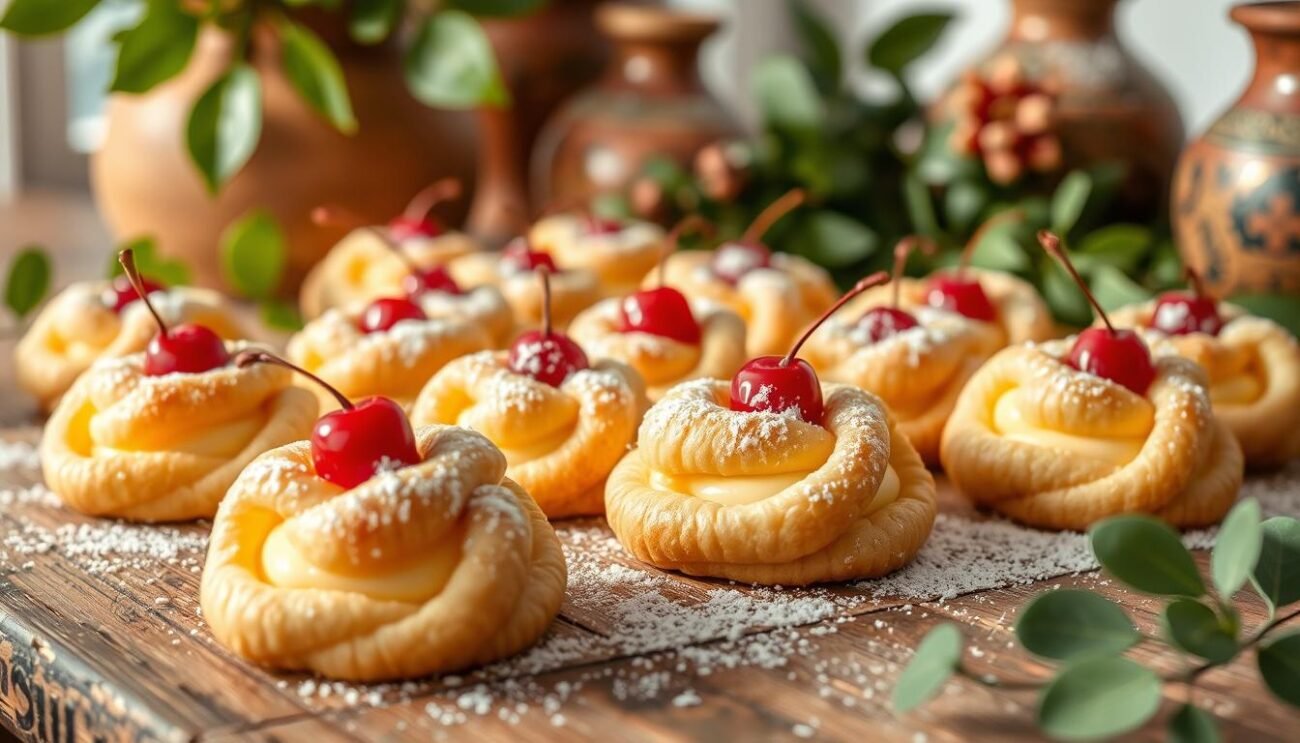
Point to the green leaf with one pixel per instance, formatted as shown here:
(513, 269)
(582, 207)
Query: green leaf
(920, 208)
(1069, 624)
(1279, 665)
(786, 95)
(1146, 553)
(43, 17)
(225, 125)
(1236, 550)
(1113, 289)
(497, 8)
(372, 20)
(281, 315)
(1277, 572)
(1098, 698)
(963, 203)
(833, 240)
(934, 663)
(253, 255)
(1195, 627)
(315, 73)
(820, 47)
(906, 41)
(451, 64)
(1283, 309)
(998, 249)
(1122, 246)
(1069, 201)
(28, 280)
(1192, 725)
(150, 263)
(1063, 296)
(157, 49)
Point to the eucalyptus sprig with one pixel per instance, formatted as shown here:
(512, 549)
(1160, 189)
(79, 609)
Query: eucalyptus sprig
(27, 280)
(1098, 691)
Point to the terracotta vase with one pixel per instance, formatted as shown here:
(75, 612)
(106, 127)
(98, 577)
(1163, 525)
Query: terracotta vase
(145, 183)
(1108, 107)
(650, 102)
(545, 58)
(1236, 201)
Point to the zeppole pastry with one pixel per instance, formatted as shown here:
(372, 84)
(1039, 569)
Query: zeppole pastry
(777, 295)
(375, 551)
(619, 253)
(561, 421)
(514, 272)
(767, 481)
(161, 435)
(375, 261)
(916, 361)
(1066, 433)
(100, 319)
(660, 334)
(1253, 366)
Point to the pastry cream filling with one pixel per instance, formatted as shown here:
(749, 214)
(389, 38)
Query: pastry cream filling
(519, 452)
(415, 581)
(219, 440)
(740, 491)
(1238, 389)
(1009, 420)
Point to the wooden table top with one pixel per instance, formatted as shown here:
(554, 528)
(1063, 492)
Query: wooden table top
(100, 637)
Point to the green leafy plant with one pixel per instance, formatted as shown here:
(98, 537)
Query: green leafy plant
(27, 280)
(151, 263)
(1097, 690)
(253, 258)
(449, 64)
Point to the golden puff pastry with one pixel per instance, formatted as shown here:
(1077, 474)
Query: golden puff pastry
(166, 448)
(776, 302)
(620, 254)
(660, 361)
(435, 567)
(917, 372)
(394, 363)
(572, 291)
(1045, 444)
(561, 442)
(1022, 315)
(80, 326)
(766, 497)
(1253, 366)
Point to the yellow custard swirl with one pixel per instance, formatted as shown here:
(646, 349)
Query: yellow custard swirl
(1010, 420)
(740, 491)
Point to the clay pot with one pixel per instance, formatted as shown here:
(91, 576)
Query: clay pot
(649, 103)
(1108, 107)
(1236, 200)
(145, 183)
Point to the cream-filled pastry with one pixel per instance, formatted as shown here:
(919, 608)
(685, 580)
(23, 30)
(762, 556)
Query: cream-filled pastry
(375, 261)
(619, 253)
(100, 319)
(437, 565)
(514, 272)
(1008, 304)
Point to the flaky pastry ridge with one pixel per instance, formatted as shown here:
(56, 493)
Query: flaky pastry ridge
(572, 290)
(619, 259)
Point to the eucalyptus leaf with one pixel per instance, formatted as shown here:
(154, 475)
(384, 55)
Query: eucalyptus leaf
(1063, 297)
(1237, 548)
(1277, 571)
(1195, 628)
(1098, 698)
(933, 664)
(998, 249)
(450, 64)
(786, 95)
(156, 49)
(150, 263)
(44, 17)
(1166, 268)
(281, 315)
(834, 240)
(1122, 246)
(1113, 289)
(497, 8)
(820, 47)
(27, 281)
(963, 202)
(1192, 725)
(920, 208)
(315, 73)
(1279, 665)
(906, 40)
(1069, 201)
(253, 255)
(225, 124)
(1283, 309)
(1069, 624)
(372, 20)
(1146, 554)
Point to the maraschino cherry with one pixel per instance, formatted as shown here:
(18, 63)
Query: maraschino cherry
(417, 220)
(383, 313)
(1109, 353)
(732, 260)
(1187, 312)
(520, 256)
(352, 444)
(880, 323)
(958, 291)
(663, 310)
(122, 292)
(418, 280)
(188, 348)
(595, 225)
(546, 355)
(778, 384)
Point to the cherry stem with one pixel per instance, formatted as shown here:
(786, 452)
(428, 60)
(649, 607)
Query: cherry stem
(127, 258)
(1194, 279)
(997, 220)
(395, 247)
(245, 359)
(545, 273)
(772, 214)
(690, 222)
(902, 250)
(876, 279)
(1051, 242)
(333, 215)
(430, 196)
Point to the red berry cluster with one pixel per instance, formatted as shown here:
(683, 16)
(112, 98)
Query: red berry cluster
(1006, 120)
